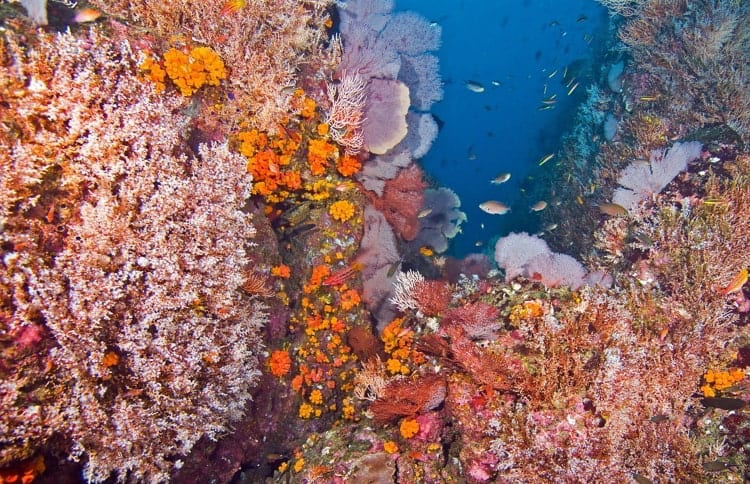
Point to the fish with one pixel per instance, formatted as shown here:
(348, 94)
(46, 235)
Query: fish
(640, 479)
(501, 178)
(474, 86)
(478, 243)
(496, 83)
(643, 239)
(649, 98)
(393, 268)
(716, 466)
(724, 403)
(494, 207)
(613, 210)
(550, 100)
(658, 418)
(581, 18)
(424, 212)
(573, 88)
(546, 158)
(86, 15)
(545, 107)
(549, 227)
(538, 206)
(552, 74)
(735, 285)
(714, 201)
(426, 251)
(297, 230)
(232, 6)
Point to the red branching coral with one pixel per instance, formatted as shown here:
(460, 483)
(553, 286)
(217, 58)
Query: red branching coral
(432, 296)
(408, 397)
(402, 199)
(479, 320)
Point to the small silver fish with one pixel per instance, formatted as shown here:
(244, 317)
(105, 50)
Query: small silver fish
(424, 212)
(546, 158)
(494, 207)
(474, 86)
(496, 83)
(501, 178)
(549, 227)
(538, 206)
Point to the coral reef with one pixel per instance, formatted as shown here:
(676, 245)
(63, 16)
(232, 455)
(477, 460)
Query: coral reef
(208, 277)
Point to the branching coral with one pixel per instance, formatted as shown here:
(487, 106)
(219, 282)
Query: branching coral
(123, 255)
(266, 45)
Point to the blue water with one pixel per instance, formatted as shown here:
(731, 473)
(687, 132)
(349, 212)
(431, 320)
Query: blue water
(518, 44)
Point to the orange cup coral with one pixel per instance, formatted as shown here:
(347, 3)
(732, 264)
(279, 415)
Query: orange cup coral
(280, 363)
(189, 72)
(409, 428)
(342, 210)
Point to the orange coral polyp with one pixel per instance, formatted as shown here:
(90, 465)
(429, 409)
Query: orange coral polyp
(282, 271)
(342, 210)
(318, 274)
(409, 428)
(348, 165)
(318, 153)
(280, 363)
(349, 299)
(189, 72)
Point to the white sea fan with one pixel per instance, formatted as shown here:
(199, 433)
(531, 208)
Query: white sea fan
(403, 290)
(515, 250)
(641, 179)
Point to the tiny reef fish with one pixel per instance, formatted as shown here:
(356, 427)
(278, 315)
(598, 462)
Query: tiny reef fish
(546, 158)
(474, 86)
(736, 283)
(501, 178)
(538, 206)
(86, 15)
(494, 207)
(613, 209)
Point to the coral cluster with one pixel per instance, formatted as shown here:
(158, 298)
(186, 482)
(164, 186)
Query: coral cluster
(164, 171)
(122, 262)
(264, 44)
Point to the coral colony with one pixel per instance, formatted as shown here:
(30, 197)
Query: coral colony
(222, 261)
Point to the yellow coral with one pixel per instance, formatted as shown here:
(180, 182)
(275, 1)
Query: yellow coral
(342, 210)
(190, 72)
(409, 428)
(316, 397)
(720, 380)
(306, 410)
(154, 72)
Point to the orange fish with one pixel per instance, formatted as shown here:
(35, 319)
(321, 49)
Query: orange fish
(233, 6)
(736, 283)
(86, 15)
